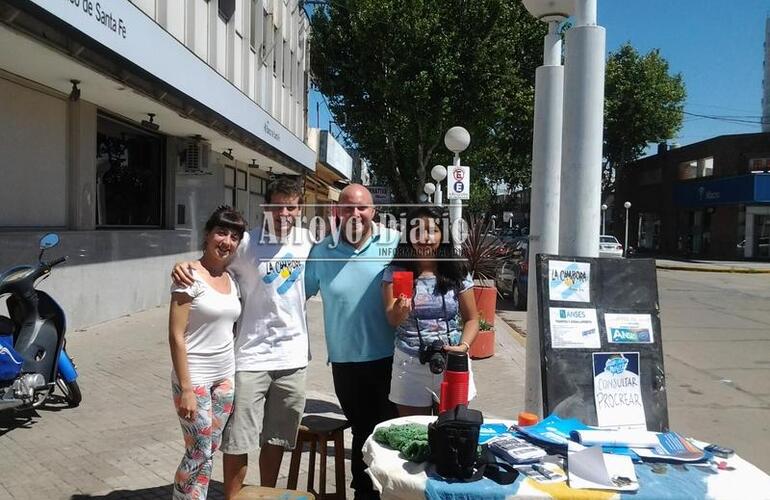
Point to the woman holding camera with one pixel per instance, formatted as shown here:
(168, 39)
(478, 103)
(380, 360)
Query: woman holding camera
(440, 316)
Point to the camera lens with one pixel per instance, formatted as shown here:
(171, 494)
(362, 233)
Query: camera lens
(437, 363)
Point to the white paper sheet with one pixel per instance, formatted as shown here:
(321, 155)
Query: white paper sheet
(617, 390)
(569, 281)
(630, 438)
(573, 328)
(589, 468)
(629, 328)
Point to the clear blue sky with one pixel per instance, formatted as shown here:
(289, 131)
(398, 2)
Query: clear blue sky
(717, 45)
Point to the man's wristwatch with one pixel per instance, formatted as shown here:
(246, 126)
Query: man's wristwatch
(467, 346)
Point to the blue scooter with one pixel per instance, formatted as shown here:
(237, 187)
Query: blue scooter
(32, 356)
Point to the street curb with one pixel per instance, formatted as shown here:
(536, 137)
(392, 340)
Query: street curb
(502, 325)
(736, 270)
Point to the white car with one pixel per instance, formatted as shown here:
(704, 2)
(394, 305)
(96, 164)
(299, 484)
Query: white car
(609, 246)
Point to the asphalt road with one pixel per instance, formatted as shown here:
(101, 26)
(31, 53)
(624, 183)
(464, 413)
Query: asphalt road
(716, 341)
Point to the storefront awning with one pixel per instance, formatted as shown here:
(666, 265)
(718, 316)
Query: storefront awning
(742, 189)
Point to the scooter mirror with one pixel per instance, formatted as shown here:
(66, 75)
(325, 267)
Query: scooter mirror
(50, 240)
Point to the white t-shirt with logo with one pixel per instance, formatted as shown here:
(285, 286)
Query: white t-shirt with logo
(272, 332)
(209, 333)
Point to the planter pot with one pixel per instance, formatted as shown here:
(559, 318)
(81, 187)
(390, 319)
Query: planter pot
(486, 301)
(483, 345)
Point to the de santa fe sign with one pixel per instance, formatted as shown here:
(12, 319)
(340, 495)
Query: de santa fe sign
(100, 14)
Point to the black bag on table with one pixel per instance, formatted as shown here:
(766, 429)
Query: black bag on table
(454, 448)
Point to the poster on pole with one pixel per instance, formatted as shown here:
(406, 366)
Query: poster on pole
(458, 183)
(629, 328)
(569, 281)
(617, 390)
(574, 328)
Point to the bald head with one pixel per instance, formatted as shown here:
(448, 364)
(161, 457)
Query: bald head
(356, 212)
(356, 194)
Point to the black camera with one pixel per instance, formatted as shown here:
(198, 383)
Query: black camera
(434, 356)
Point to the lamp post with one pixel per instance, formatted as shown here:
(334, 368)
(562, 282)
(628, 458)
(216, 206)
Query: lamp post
(546, 176)
(438, 173)
(429, 188)
(581, 167)
(456, 140)
(625, 243)
(604, 214)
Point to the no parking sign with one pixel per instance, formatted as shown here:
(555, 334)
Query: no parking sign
(459, 183)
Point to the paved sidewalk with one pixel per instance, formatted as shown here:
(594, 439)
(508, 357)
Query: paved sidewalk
(124, 440)
(714, 266)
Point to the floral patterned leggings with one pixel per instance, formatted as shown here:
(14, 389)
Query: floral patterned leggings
(202, 435)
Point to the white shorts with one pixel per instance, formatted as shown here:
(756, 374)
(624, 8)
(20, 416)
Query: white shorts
(412, 380)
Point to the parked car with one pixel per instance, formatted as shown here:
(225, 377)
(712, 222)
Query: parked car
(763, 243)
(609, 246)
(512, 279)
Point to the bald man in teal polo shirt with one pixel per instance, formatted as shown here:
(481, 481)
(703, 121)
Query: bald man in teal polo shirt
(359, 339)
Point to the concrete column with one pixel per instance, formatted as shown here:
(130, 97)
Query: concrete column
(544, 206)
(748, 249)
(581, 171)
(81, 184)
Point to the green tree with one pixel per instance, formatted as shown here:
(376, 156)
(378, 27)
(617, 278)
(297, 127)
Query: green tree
(643, 104)
(398, 74)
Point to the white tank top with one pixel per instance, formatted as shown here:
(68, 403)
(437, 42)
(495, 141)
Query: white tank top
(209, 333)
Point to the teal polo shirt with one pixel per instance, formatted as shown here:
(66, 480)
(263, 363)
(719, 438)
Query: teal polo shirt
(350, 280)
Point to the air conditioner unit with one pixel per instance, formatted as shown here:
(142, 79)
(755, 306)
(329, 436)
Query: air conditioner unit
(194, 160)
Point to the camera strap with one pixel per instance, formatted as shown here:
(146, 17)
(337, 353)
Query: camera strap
(417, 320)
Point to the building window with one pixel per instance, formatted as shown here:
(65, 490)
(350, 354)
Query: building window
(241, 194)
(226, 9)
(276, 50)
(267, 21)
(253, 31)
(256, 200)
(694, 169)
(230, 186)
(129, 175)
(757, 165)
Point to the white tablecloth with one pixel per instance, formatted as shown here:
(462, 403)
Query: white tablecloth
(399, 479)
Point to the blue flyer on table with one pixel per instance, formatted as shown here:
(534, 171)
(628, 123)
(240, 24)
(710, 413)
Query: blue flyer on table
(553, 430)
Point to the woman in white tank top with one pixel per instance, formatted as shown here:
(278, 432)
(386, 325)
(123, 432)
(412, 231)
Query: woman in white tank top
(201, 320)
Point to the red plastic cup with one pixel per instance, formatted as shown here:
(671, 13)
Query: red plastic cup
(403, 284)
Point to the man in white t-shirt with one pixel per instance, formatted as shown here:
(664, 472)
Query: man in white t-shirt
(271, 344)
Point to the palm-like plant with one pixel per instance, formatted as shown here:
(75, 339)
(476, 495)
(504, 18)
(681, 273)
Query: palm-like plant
(485, 252)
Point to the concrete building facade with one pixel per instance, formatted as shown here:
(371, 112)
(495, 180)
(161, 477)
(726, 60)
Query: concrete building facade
(124, 124)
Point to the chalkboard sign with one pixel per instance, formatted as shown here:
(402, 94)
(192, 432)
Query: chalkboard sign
(601, 341)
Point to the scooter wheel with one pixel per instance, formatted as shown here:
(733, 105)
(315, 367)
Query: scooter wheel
(71, 392)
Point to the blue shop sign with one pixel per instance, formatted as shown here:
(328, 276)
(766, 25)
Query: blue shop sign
(753, 188)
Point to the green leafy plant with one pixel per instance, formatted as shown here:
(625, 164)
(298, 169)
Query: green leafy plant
(484, 252)
(485, 326)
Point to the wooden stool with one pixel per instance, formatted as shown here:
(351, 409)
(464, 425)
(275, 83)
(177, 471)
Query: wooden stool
(263, 493)
(318, 430)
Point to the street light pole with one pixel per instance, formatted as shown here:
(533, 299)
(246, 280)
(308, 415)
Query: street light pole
(581, 169)
(625, 243)
(545, 186)
(604, 215)
(456, 140)
(429, 188)
(438, 172)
